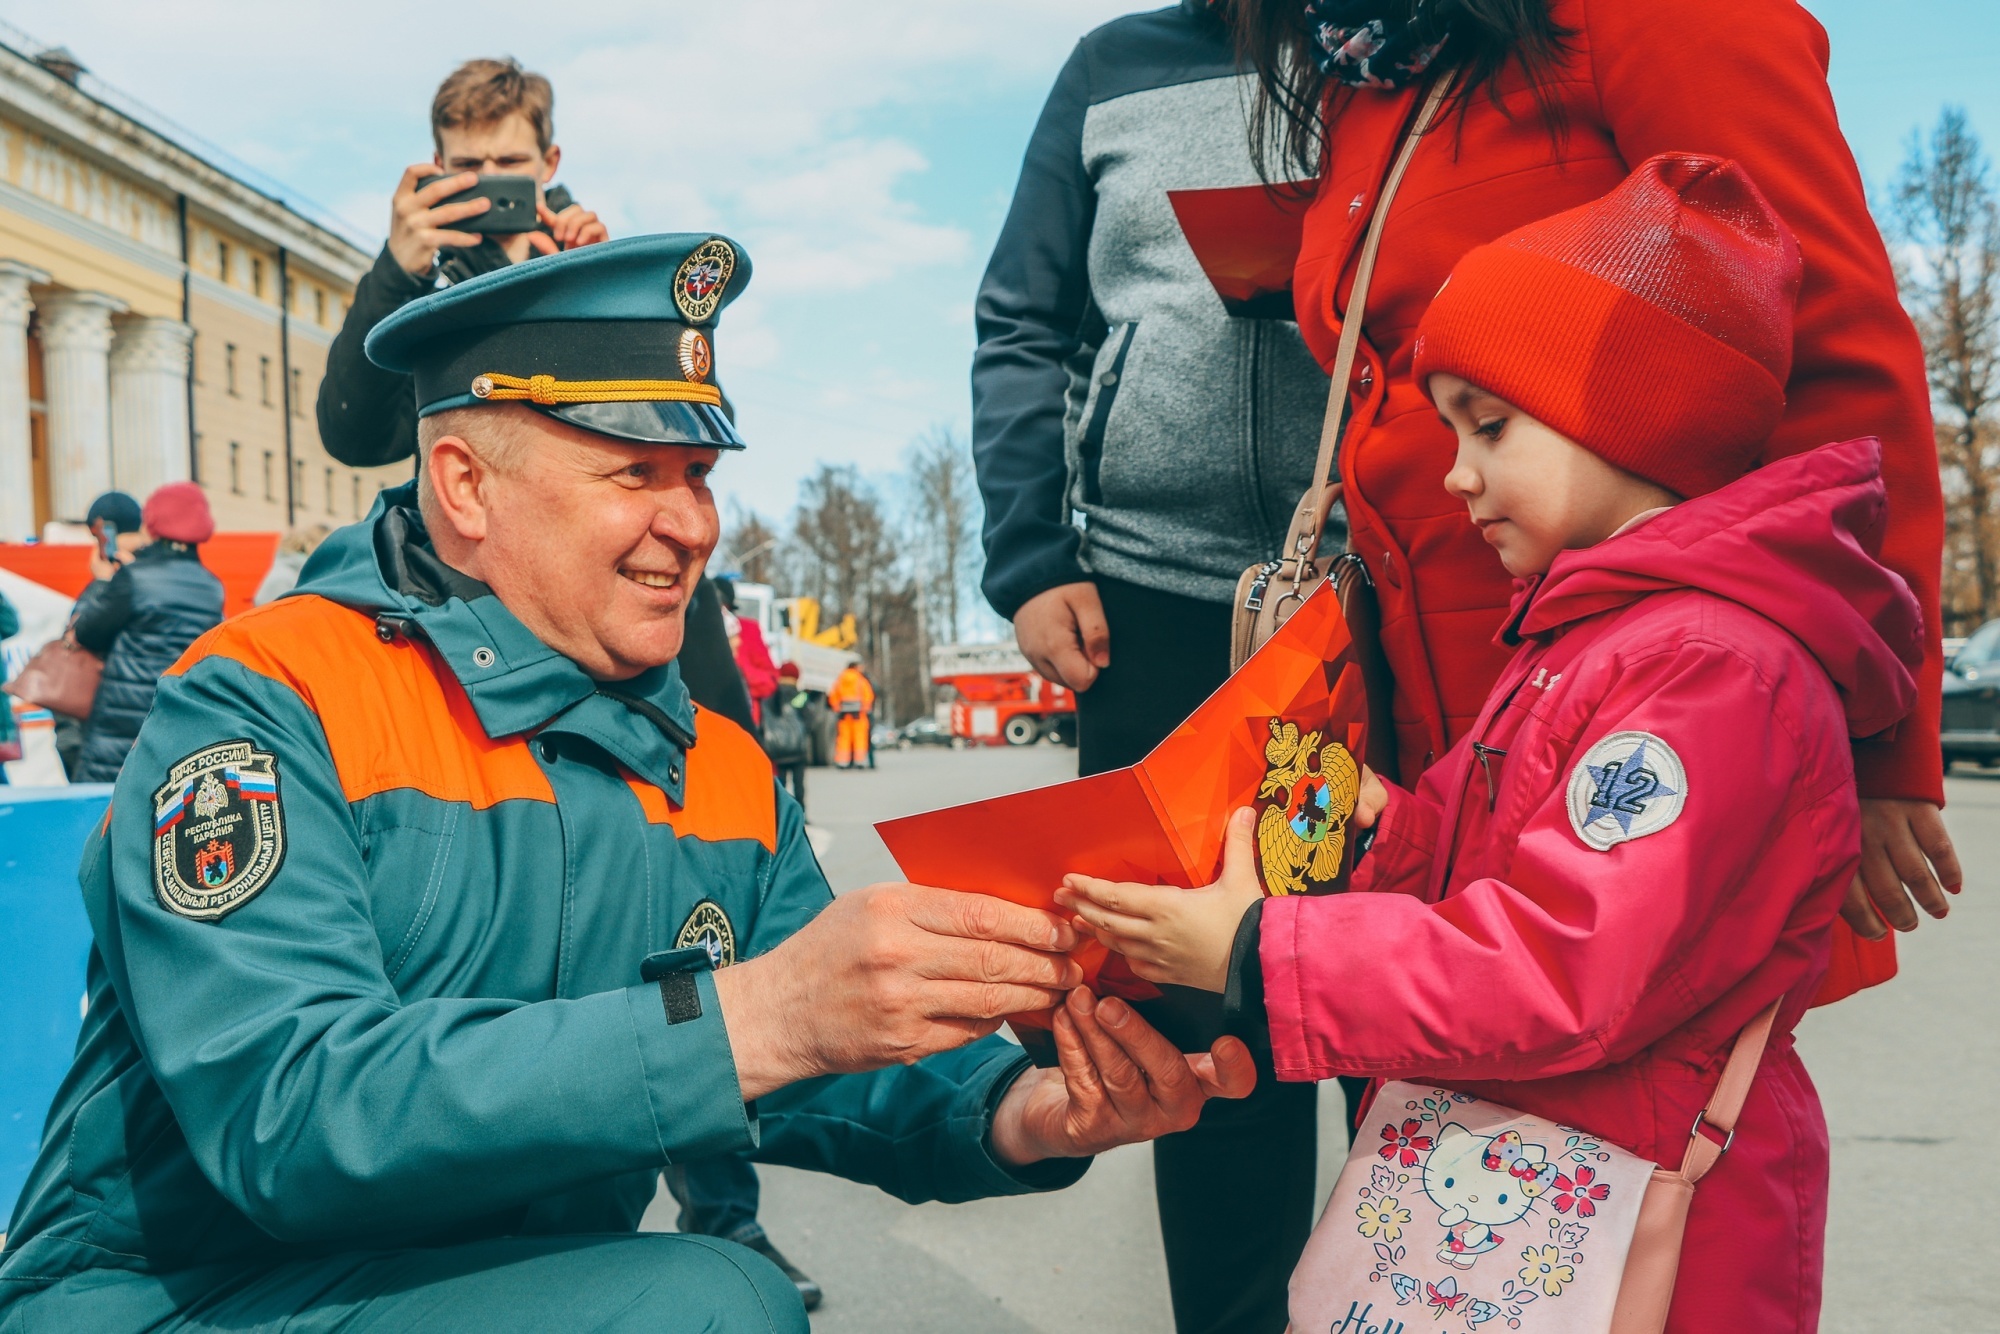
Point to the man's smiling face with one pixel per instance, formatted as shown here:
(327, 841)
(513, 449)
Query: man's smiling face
(595, 544)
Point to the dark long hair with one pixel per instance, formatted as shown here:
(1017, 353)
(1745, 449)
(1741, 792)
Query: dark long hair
(1287, 126)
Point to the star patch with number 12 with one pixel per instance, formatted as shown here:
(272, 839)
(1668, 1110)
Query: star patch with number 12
(1628, 785)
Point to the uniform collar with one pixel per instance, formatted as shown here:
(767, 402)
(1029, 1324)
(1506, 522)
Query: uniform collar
(385, 566)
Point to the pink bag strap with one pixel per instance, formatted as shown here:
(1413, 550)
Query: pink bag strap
(1731, 1091)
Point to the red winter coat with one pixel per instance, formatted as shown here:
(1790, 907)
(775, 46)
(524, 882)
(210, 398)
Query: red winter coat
(1742, 79)
(1747, 635)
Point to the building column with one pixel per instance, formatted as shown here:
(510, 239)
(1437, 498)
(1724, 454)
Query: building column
(76, 367)
(149, 422)
(17, 465)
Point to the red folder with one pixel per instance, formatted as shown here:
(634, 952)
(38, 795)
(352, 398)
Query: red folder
(1284, 735)
(1247, 240)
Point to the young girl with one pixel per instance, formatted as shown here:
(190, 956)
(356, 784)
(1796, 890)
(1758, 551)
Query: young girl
(1645, 837)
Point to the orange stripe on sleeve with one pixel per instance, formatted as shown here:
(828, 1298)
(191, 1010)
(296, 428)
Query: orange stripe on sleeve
(394, 716)
(730, 794)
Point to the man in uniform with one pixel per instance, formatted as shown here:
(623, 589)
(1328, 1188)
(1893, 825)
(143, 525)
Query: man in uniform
(852, 699)
(432, 921)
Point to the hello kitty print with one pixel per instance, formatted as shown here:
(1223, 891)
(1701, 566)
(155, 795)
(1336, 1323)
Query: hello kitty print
(1459, 1213)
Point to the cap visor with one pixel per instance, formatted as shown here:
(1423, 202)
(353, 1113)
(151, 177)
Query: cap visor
(695, 424)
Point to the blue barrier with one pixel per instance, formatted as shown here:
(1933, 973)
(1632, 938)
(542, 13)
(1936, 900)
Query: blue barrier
(44, 943)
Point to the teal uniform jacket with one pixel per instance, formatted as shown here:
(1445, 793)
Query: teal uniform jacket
(371, 908)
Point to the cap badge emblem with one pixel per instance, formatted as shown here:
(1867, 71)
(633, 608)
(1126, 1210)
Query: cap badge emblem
(703, 275)
(696, 362)
(482, 386)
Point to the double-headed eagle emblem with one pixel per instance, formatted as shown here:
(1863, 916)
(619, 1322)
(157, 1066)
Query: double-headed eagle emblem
(1311, 789)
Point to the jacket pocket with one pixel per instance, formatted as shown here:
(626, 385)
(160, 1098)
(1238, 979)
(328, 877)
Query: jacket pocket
(1090, 446)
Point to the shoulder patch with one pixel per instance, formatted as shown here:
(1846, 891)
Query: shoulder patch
(708, 927)
(218, 830)
(1628, 785)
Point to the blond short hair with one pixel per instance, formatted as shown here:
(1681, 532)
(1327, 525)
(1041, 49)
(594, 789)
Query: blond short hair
(486, 92)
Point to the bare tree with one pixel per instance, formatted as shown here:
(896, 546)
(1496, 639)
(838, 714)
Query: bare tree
(841, 542)
(943, 519)
(1944, 217)
(751, 547)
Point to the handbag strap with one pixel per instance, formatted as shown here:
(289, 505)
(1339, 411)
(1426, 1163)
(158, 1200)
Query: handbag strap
(1310, 521)
(1726, 1103)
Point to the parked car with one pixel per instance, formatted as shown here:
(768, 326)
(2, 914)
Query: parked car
(1972, 699)
(927, 731)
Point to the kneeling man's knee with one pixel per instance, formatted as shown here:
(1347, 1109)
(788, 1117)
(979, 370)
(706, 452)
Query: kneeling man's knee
(703, 1283)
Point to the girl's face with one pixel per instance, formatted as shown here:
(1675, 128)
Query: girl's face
(1532, 493)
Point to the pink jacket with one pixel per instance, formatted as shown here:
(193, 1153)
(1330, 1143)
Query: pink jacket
(1642, 841)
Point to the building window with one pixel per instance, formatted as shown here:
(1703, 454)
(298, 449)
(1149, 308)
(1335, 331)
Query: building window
(356, 503)
(329, 491)
(236, 468)
(298, 392)
(319, 305)
(229, 367)
(264, 380)
(298, 480)
(270, 492)
(222, 260)
(257, 276)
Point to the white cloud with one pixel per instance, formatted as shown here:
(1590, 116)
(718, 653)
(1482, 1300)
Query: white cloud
(795, 126)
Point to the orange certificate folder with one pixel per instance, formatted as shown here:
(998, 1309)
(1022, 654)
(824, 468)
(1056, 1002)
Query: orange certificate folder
(1284, 735)
(1246, 238)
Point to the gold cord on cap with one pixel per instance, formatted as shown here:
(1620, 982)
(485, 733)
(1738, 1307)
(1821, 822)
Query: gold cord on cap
(546, 390)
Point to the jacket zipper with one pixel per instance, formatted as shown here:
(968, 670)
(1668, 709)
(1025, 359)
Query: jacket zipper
(1486, 753)
(1253, 425)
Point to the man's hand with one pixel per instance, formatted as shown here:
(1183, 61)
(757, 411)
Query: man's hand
(1906, 855)
(1062, 632)
(886, 975)
(1168, 934)
(574, 226)
(1120, 1082)
(418, 226)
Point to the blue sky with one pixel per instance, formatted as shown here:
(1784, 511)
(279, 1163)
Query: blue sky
(863, 154)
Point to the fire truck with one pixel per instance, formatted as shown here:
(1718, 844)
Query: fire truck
(987, 694)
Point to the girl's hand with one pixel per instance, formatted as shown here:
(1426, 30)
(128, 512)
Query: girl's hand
(1373, 797)
(1168, 934)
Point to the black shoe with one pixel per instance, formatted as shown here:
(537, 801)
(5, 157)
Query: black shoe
(809, 1292)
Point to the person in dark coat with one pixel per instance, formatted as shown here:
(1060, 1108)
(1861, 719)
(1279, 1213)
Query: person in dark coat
(140, 621)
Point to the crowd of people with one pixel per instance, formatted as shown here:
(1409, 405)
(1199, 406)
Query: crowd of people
(1636, 453)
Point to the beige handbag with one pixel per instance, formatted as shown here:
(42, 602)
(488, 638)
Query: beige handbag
(1269, 593)
(1464, 1211)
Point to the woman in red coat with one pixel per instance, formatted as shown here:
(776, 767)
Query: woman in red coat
(1554, 101)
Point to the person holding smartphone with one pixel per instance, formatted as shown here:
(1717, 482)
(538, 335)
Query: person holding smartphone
(490, 119)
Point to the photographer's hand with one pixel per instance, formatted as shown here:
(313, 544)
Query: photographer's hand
(574, 226)
(419, 227)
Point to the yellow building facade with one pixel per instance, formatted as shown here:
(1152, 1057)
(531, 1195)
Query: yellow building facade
(160, 319)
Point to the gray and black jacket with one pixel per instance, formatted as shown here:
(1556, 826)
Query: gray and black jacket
(1109, 381)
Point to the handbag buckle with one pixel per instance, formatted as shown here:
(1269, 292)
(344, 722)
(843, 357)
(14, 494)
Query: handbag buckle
(1694, 1131)
(1254, 601)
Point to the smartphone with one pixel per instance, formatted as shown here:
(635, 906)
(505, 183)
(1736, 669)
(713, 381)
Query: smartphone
(513, 205)
(108, 540)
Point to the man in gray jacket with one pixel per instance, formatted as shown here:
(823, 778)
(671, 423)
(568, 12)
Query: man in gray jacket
(1137, 446)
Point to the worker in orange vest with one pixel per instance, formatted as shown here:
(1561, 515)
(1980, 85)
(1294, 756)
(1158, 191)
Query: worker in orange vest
(852, 699)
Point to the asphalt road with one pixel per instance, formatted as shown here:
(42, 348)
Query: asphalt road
(1905, 1071)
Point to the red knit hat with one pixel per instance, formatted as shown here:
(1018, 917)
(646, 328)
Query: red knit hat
(1653, 326)
(179, 512)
